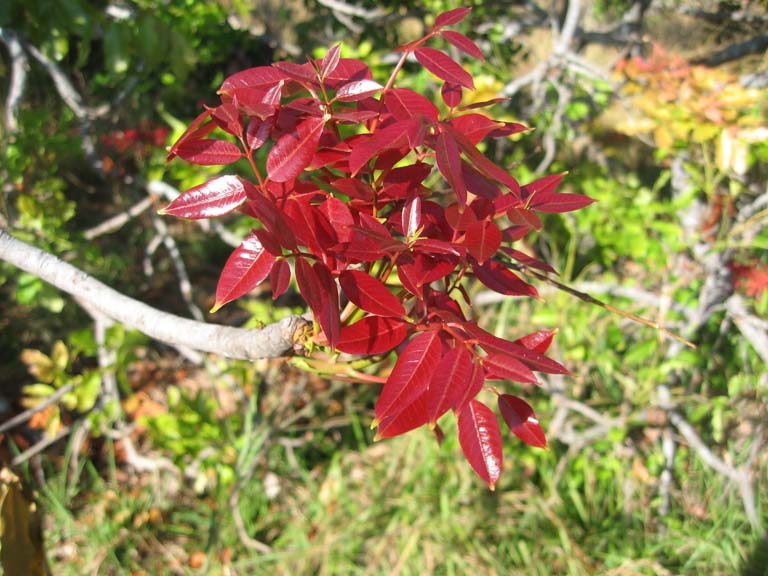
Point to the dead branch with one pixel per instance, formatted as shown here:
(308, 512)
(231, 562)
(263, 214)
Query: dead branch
(273, 341)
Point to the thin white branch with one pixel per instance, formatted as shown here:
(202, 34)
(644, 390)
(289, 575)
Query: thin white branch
(754, 329)
(19, 68)
(118, 220)
(273, 341)
(185, 286)
(339, 7)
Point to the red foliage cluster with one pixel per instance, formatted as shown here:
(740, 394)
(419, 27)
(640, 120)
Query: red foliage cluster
(343, 204)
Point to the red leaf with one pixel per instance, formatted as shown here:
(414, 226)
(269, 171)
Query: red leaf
(483, 239)
(370, 294)
(443, 66)
(358, 90)
(451, 94)
(545, 186)
(319, 290)
(228, 118)
(258, 131)
(559, 203)
(449, 163)
(217, 197)
(504, 367)
(209, 152)
(417, 270)
(247, 267)
(294, 151)
(481, 163)
(330, 61)
(195, 131)
(537, 341)
(347, 70)
(280, 277)
(480, 439)
(493, 344)
(387, 138)
(463, 43)
(500, 279)
(521, 419)
(302, 73)
(404, 104)
(372, 335)
(475, 126)
(408, 418)
(411, 375)
(449, 384)
(264, 77)
(411, 216)
(473, 387)
(452, 16)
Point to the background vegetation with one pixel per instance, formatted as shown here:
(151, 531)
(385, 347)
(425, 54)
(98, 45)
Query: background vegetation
(150, 460)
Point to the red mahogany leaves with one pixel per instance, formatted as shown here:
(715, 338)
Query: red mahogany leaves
(521, 419)
(348, 197)
(480, 439)
(246, 268)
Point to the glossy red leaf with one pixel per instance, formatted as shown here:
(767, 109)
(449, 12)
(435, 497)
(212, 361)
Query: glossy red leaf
(347, 70)
(372, 335)
(218, 196)
(527, 260)
(404, 104)
(443, 66)
(504, 367)
(294, 150)
(545, 185)
(417, 270)
(411, 216)
(280, 278)
(448, 158)
(452, 16)
(247, 267)
(370, 294)
(559, 203)
(409, 417)
(537, 341)
(318, 289)
(197, 130)
(209, 152)
(358, 90)
(463, 43)
(302, 73)
(451, 94)
(481, 163)
(483, 239)
(340, 217)
(411, 375)
(257, 132)
(493, 344)
(227, 117)
(449, 384)
(480, 439)
(475, 126)
(522, 421)
(264, 77)
(387, 138)
(500, 279)
(473, 387)
(330, 61)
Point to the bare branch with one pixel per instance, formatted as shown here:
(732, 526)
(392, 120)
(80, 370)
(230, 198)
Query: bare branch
(19, 67)
(273, 341)
(118, 220)
(756, 45)
(754, 329)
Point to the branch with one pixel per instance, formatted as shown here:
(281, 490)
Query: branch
(19, 67)
(756, 45)
(273, 341)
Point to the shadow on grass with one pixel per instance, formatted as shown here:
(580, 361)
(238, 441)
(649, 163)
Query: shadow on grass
(757, 562)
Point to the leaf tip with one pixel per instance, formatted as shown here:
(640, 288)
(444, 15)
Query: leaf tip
(216, 307)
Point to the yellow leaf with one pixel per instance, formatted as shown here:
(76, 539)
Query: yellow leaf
(38, 364)
(21, 534)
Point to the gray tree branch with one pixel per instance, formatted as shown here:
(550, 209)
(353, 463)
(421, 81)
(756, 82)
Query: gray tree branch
(273, 341)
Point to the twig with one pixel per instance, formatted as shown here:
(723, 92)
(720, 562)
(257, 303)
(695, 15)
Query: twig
(19, 68)
(739, 476)
(27, 414)
(339, 7)
(273, 341)
(756, 45)
(754, 329)
(185, 286)
(40, 446)
(118, 220)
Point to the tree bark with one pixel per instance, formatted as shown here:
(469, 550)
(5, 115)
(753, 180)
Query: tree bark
(273, 341)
